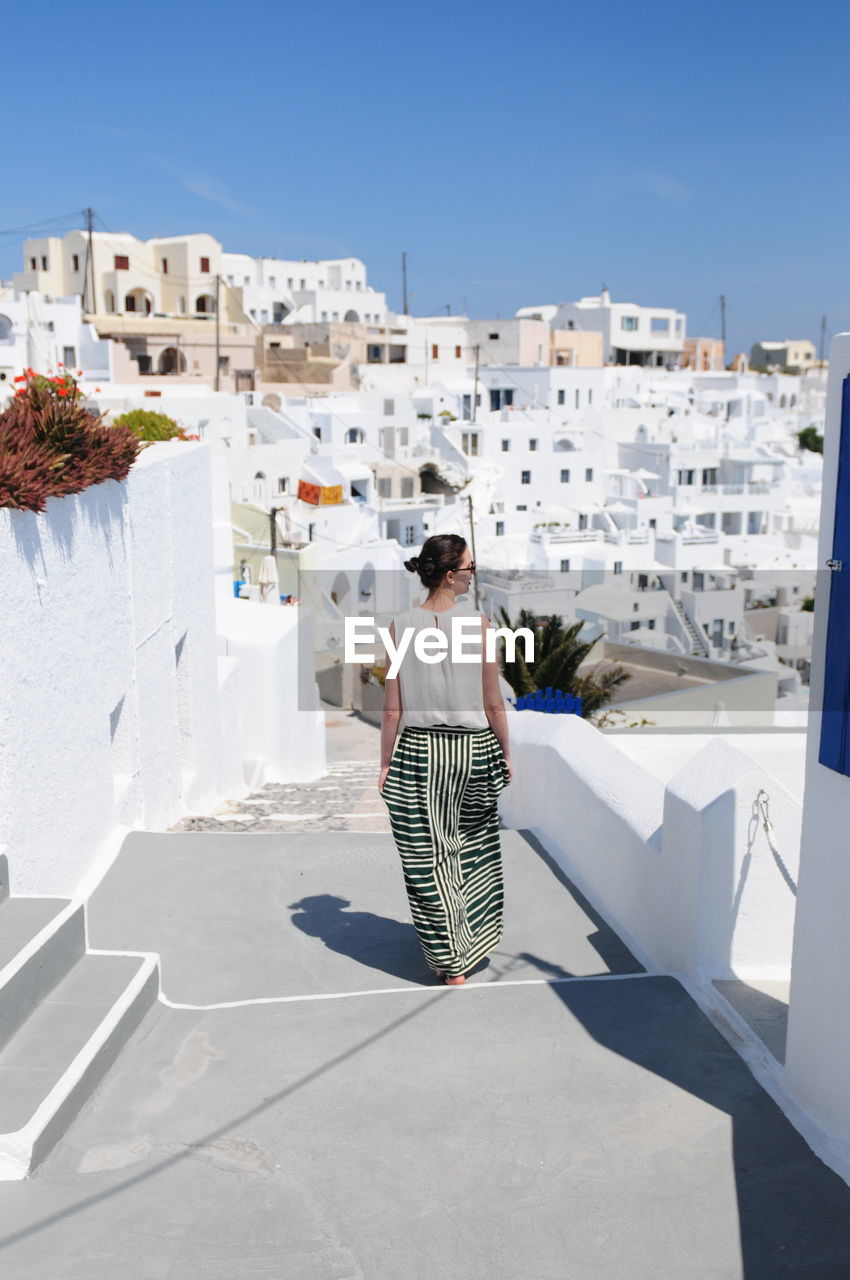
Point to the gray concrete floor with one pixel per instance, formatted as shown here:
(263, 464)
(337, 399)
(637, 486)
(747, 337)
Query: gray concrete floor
(306, 1103)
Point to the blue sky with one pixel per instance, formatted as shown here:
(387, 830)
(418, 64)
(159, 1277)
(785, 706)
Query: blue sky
(520, 154)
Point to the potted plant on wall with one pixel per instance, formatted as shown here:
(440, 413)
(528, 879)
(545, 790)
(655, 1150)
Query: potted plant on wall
(52, 445)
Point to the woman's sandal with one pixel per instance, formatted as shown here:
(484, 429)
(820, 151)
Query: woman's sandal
(443, 977)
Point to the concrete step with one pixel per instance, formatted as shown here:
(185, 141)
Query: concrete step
(21, 919)
(50, 1066)
(41, 939)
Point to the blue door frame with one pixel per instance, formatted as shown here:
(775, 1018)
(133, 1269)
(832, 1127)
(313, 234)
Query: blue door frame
(835, 723)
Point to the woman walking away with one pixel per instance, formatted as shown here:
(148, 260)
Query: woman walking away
(442, 777)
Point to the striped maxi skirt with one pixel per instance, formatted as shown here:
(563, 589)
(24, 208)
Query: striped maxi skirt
(441, 791)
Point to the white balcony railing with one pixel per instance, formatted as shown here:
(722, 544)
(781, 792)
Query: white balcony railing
(630, 536)
(710, 535)
(405, 504)
(566, 535)
(754, 486)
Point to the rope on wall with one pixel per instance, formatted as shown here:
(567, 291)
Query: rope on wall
(762, 801)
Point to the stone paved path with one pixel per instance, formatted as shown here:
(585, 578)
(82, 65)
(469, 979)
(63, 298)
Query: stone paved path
(346, 798)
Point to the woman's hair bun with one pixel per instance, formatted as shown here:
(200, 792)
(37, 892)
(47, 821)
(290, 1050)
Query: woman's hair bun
(439, 554)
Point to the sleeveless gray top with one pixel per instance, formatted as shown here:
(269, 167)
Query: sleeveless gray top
(443, 692)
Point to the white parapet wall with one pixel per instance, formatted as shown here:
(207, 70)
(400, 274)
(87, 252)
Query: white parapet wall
(684, 873)
(121, 707)
(282, 723)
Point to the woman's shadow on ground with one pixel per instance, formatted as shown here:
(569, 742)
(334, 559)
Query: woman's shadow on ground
(375, 941)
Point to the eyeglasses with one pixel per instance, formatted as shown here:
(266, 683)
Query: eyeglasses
(466, 568)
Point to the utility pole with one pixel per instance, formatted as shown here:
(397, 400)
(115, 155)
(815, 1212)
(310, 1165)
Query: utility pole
(475, 387)
(472, 543)
(218, 337)
(723, 326)
(88, 269)
(273, 535)
(404, 281)
(822, 339)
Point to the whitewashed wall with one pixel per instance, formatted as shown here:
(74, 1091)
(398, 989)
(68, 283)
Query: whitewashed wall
(282, 722)
(818, 1049)
(118, 708)
(684, 874)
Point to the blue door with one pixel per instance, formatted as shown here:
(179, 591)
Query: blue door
(835, 724)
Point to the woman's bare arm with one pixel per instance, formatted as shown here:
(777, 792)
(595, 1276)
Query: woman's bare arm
(494, 703)
(392, 715)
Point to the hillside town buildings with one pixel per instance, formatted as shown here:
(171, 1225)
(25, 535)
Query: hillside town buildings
(617, 475)
(601, 450)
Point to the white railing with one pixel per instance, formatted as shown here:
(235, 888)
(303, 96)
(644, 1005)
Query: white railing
(627, 536)
(753, 486)
(493, 578)
(402, 504)
(566, 535)
(710, 535)
(692, 629)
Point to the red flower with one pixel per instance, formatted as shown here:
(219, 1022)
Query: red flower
(59, 364)
(96, 390)
(20, 378)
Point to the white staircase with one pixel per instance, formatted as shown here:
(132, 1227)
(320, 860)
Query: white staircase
(699, 645)
(65, 1013)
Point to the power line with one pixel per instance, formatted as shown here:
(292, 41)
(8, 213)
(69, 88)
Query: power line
(22, 239)
(45, 222)
(701, 331)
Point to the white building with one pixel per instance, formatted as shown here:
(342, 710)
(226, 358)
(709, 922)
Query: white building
(118, 274)
(279, 290)
(172, 276)
(793, 354)
(43, 336)
(631, 334)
